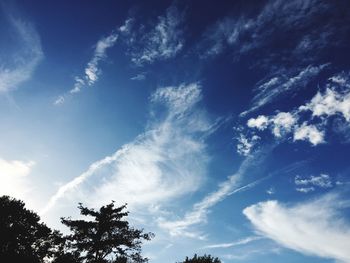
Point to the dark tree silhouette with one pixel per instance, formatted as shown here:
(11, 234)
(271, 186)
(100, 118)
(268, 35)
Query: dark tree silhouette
(201, 259)
(22, 237)
(106, 238)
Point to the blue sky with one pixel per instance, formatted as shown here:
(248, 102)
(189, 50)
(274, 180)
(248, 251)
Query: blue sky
(224, 125)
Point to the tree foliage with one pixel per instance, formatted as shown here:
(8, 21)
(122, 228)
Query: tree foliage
(105, 238)
(22, 237)
(202, 259)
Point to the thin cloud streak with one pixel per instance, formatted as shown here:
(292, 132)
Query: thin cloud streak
(92, 70)
(240, 242)
(201, 209)
(276, 87)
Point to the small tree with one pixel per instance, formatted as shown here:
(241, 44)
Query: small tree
(106, 238)
(22, 237)
(201, 259)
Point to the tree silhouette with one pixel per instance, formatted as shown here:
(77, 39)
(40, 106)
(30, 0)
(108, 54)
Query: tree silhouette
(201, 259)
(22, 237)
(106, 238)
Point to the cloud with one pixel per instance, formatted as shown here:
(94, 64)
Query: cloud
(305, 190)
(24, 61)
(306, 185)
(166, 161)
(223, 34)
(240, 242)
(245, 144)
(164, 41)
(200, 210)
(291, 20)
(334, 101)
(140, 76)
(329, 103)
(305, 227)
(260, 122)
(60, 100)
(283, 123)
(126, 28)
(283, 84)
(92, 70)
(271, 191)
(13, 177)
(309, 133)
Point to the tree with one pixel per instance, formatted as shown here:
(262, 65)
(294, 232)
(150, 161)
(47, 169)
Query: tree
(106, 238)
(22, 237)
(202, 259)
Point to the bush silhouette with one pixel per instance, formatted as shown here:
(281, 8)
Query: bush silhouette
(201, 259)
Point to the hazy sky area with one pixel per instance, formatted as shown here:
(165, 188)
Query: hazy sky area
(225, 125)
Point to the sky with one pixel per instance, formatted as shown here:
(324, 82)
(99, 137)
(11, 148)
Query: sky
(224, 125)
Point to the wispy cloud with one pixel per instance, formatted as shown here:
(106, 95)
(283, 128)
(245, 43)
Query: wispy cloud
(281, 85)
(24, 61)
(334, 101)
(162, 42)
(140, 76)
(166, 161)
(240, 242)
(244, 34)
(92, 70)
(246, 144)
(200, 210)
(308, 184)
(305, 227)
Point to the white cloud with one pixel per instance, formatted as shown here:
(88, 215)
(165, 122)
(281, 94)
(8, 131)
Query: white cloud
(341, 79)
(164, 41)
(200, 210)
(92, 70)
(240, 242)
(308, 184)
(305, 227)
(245, 145)
(260, 122)
(329, 103)
(15, 168)
(125, 29)
(25, 59)
(13, 177)
(276, 87)
(60, 100)
(271, 191)
(305, 190)
(283, 123)
(280, 124)
(334, 101)
(140, 76)
(309, 133)
(180, 99)
(166, 161)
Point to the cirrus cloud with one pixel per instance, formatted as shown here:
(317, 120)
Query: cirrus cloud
(305, 227)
